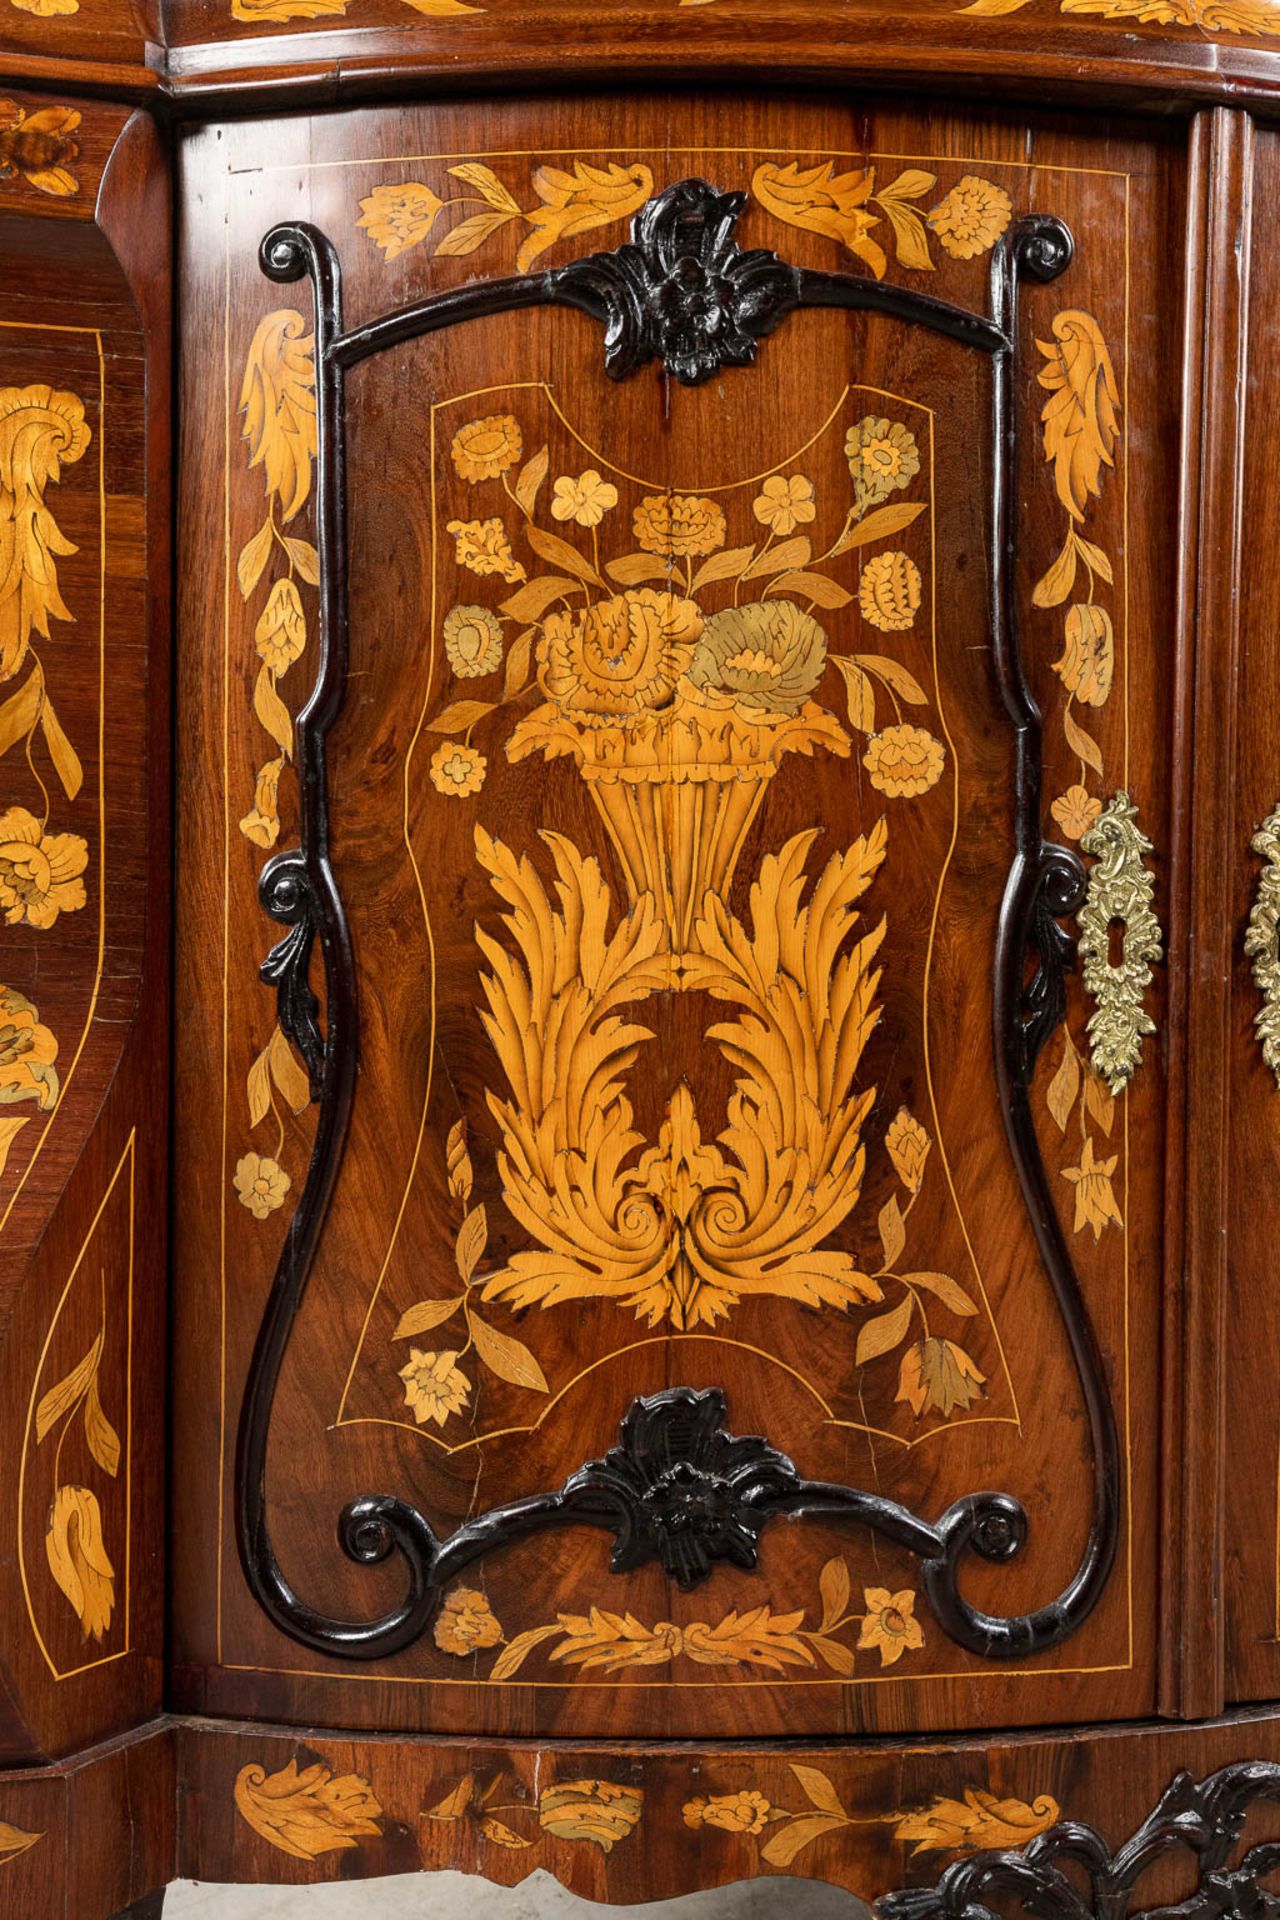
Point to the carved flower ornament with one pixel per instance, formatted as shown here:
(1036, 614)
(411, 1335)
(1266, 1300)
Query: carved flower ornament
(684, 290)
(690, 1493)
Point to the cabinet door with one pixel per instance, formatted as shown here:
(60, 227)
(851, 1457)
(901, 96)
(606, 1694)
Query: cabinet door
(627, 702)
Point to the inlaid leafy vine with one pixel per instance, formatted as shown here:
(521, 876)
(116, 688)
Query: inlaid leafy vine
(611, 1642)
(979, 1820)
(74, 1535)
(573, 201)
(277, 402)
(42, 431)
(1208, 16)
(966, 221)
(1080, 421)
(847, 206)
(270, 12)
(436, 1385)
(934, 1372)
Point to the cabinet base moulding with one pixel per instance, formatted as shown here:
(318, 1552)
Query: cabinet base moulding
(1172, 1811)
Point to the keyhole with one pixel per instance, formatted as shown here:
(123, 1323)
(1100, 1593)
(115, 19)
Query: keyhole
(1115, 943)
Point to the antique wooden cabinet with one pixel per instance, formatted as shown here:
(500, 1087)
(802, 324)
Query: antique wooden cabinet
(640, 965)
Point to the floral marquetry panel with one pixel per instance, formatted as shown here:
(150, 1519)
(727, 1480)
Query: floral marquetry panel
(672, 799)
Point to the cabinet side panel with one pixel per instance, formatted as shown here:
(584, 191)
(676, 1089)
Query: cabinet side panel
(84, 860)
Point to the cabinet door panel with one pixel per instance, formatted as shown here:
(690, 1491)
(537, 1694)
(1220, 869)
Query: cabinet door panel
(673, 797)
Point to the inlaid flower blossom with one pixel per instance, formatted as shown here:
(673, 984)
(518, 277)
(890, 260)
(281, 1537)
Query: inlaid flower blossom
(903, 760)
(679, 524)
(28, 1050)
(262, 822)
(466, 1623)
(768, 655)
(883, 457)
(784, 504)
(484, 449)
(890, 1623)
(1075, 811)
(746, 1812)
(585, 500)
(27, 1053)
(397, 218)
(1095, 1196)
(472, 641)
(938, 1373)
(40, 873)
(261, 1183)
(619, 659)
(908, 1147)
(281, 632)
(889, 591)
(595, 1810)
(435, 1387)
(971, 218)
(78, 1558)
(457, 770)
(1088, 659)
(483, 546)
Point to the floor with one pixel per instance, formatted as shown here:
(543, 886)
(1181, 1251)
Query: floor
(456, 1896)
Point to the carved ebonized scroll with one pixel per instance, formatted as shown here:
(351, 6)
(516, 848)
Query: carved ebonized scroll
(1203, 1817)
(678, 1488)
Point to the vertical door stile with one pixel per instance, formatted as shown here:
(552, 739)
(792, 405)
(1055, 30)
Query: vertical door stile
(1210, 518)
